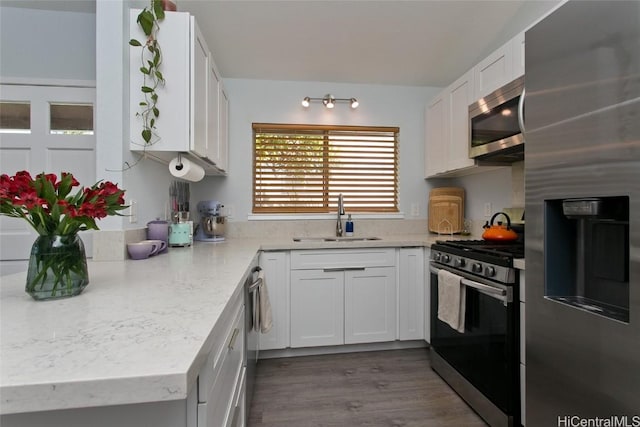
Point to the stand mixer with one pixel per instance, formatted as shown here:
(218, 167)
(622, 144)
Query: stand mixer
(212, 222)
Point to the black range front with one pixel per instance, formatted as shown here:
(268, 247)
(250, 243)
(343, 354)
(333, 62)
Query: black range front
(481, 363)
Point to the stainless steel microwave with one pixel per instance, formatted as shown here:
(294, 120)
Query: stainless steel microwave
(496, 125)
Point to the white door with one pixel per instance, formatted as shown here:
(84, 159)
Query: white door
(43, 129)
(370, 305)
(317, 308)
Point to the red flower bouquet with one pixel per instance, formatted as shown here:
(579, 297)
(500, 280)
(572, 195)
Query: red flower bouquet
(57, 266)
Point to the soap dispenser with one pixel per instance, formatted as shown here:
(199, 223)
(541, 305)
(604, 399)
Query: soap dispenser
(348, 228)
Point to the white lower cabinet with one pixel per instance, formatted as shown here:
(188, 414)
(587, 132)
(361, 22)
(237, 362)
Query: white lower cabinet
(275, 266)
(317, 308)
(427, 295)
(370, 305)
(411, 293)
(343, 296)
(221, 380)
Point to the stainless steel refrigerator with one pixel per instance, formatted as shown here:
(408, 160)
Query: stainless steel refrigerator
(582, 181)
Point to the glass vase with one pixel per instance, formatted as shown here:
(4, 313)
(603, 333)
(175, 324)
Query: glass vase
(57, 267)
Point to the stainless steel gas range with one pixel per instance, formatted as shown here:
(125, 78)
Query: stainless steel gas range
(480, 359)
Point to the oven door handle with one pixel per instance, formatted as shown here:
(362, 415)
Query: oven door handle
(497, 293)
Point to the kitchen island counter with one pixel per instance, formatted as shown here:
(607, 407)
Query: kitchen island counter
(140, 331)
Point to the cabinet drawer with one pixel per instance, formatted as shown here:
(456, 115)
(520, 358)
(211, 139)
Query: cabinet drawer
(219, 398)
(343, 258)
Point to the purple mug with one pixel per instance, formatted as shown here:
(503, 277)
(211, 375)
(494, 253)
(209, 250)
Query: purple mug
(159, 230)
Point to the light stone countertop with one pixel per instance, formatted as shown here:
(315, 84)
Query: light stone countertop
(139, 332)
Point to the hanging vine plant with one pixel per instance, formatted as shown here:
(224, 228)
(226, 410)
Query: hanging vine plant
(151, 60)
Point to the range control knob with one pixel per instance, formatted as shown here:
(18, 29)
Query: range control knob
(436, 256)
(490, 271)
(460, 262)
(446, 258)
(476, 267)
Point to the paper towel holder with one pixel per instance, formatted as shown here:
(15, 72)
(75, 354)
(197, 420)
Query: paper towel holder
(179, 165)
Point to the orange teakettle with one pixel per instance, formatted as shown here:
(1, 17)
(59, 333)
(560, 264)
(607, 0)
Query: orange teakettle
(499, 232)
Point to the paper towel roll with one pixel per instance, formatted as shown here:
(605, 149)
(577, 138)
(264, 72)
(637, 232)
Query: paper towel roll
(189, 171)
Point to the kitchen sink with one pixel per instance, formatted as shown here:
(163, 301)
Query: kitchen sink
(334, 239)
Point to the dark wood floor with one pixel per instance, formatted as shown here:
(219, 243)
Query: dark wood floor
(395, 388)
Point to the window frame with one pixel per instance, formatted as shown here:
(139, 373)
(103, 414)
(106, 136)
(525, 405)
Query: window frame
(387, 144)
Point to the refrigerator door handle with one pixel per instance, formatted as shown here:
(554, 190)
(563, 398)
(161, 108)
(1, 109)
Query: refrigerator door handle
(521, 111)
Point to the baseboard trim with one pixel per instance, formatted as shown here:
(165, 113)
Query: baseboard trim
(337, 349)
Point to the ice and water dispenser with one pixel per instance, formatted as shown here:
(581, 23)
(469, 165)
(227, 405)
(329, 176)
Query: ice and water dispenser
(586, 254)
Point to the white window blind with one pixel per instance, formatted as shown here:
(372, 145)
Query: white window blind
(303, 168)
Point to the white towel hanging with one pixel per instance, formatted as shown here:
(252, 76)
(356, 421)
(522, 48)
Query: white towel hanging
(451, 299)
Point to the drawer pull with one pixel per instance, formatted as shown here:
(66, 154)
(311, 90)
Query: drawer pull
(234, 336)
(328, 270)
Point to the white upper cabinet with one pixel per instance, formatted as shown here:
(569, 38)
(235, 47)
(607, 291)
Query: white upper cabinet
(494, 71)
(447, 130)
(199, 137)
(460, 95)
(189, 102)
(447, 115)
(222, 146)
(517, 46)
(437, 138)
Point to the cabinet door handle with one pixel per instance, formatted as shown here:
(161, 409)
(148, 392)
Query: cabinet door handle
(330, 269)
(234, 336)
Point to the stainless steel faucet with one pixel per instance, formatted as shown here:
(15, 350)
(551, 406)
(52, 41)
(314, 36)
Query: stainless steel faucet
(339, 230)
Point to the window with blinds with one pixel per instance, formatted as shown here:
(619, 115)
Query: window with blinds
(303, 168)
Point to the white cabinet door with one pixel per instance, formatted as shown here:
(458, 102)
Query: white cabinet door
(223, 132)
(427, 296)
(276, 271)
(494, 71)
(199, 138)
(411, 293)
(370, 305)
(460, 95)
(517, 46)
(213, 126)
(437, 136)
(317, 308)
(172, 126)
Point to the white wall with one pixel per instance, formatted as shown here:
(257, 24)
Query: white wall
(46, 44)
(279, 102)
(494, 187)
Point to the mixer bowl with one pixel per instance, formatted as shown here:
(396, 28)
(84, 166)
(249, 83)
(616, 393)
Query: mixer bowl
(213, 226)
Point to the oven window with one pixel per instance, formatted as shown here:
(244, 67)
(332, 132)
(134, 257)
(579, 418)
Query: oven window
(496, 124)
(485, 354)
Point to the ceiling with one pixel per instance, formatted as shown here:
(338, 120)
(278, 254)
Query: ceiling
(407, 43)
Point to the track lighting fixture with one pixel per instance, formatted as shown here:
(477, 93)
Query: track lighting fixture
(329, 101)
